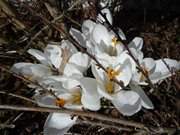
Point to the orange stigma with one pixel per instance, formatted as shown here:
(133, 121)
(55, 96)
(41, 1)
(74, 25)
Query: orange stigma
(114, 41)
(111, 73)
(60, 102)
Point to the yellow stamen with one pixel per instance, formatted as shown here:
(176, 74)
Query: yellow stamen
(114, 41)
(76, 98)
(146, 72)
(60, 102)
(111, 73)
(109, 86)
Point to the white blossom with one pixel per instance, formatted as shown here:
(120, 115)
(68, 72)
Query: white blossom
(64, 59)
(74, 93)
(58, 123)
(156, 70)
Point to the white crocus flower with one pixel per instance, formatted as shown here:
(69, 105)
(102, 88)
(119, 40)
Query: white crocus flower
(127, 102)
(64, 59)
(50, 59)
(75, 94)
(58, 123)
(119, 71)
(105, 41)
(31, 71)
(51, 56)
(163, 69)
(98, 39)
(156, 70)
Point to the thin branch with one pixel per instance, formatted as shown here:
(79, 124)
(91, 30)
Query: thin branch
(18, 96)
(2, 126)
(74, 112)
(72, 20)
(47, 26)
(29, 81)
(104, 125)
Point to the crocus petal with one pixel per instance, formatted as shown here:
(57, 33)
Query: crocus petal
(39, 56)
(65, 44)
(31, 71)
(107, 60)
(149, 64)
(101, 48)
(121, 34)
(127, 102)
(100, 33)
(138, 54)
(80, 60)
(97, 72)
(45, 101)
(157, 76)
(37, 71)
(125, 56)
(53, 53)
(162, 68)
(119, 49)
(87, 27)
(17, 67)
(90, 97)
(58, 78)
(71, 83)
(136, 43)
(71, 69)
(50, 83)
(58, 123)
(125, 72)
(102, 91)
(78, 36)
(108, 15)
(145, 101)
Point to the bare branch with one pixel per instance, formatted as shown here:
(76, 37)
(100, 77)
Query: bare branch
(87, 114)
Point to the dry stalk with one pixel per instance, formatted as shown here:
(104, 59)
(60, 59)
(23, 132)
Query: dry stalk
(87, 114)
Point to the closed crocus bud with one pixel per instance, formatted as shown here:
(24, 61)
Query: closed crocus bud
(58, 123)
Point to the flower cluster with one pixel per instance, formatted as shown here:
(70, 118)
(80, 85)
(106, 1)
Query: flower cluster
(63, 72)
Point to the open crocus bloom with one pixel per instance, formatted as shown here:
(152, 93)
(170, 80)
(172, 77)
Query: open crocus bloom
(163, 68)
(58, 123)
(156, 70)
(121, 71)
(127, 102)
(64, 59)
(78, 93)
(31, 71)
(98, 39)
(106, 41)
